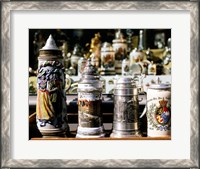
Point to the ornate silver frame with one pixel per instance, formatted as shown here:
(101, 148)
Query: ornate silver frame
(8, 6)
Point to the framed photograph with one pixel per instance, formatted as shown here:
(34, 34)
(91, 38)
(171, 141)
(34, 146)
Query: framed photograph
(22, 21)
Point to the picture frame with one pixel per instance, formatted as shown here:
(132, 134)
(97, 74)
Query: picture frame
(7, 88)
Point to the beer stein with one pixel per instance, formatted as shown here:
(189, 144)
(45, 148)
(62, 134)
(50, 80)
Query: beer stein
(107, 59)
(167, 59)
(90, 124)
(158, 110)
(51, 109)
(125, 67)
(95, 61)
(136, 56)
(120, 48)
(81, 65)
(126, 109)
(152, 68)
(76, 55)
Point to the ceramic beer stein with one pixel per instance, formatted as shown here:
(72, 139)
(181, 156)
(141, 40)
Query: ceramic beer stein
(125, 67)
(152, 68)
(158, 110)
(81, 65)
(136, 56)
(120, 48)
(90, 124)
(51, 110)
(76, 55)
(107, 59)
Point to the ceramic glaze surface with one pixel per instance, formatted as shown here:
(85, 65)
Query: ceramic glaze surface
(125, 67)
(136, 56)
(81, 65)
(120, 48)
(159, 111)
(51, 112)
(107, 59)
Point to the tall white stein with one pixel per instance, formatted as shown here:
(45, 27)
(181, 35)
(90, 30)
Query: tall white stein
(120, 48)
(159, 110)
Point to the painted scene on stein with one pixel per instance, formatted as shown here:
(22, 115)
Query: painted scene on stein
(100, 84)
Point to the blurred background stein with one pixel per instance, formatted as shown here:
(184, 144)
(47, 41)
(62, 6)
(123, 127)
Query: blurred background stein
(126, 109)
(158, 110)
(76, 55)
(125, 67)
(90, 124)
(81, 65)
(51, 109)
(120, 47)
(107, 59)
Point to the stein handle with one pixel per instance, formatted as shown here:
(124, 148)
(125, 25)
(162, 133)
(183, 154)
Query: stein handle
(144, 112)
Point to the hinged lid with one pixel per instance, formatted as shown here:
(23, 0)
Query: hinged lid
(125, 86)
(89, 75)
(160, 86)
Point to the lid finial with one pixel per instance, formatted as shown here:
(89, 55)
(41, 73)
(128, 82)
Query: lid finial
(50, 44)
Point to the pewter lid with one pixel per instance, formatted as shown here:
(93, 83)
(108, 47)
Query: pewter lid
(125, 80)
(125, 86)
(89, 74)
(107, 47)
(89, 69)
(160, 86)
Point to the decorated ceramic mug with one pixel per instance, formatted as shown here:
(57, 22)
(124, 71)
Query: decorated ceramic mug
(158, 110)
(51, 108)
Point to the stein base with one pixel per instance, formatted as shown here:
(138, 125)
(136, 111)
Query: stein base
(86, 132)
(90, 136)
(54, 133)
(154, 133)
(54, 136)
(123, 134)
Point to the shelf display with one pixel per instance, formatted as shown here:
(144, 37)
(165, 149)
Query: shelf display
(92, 71)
